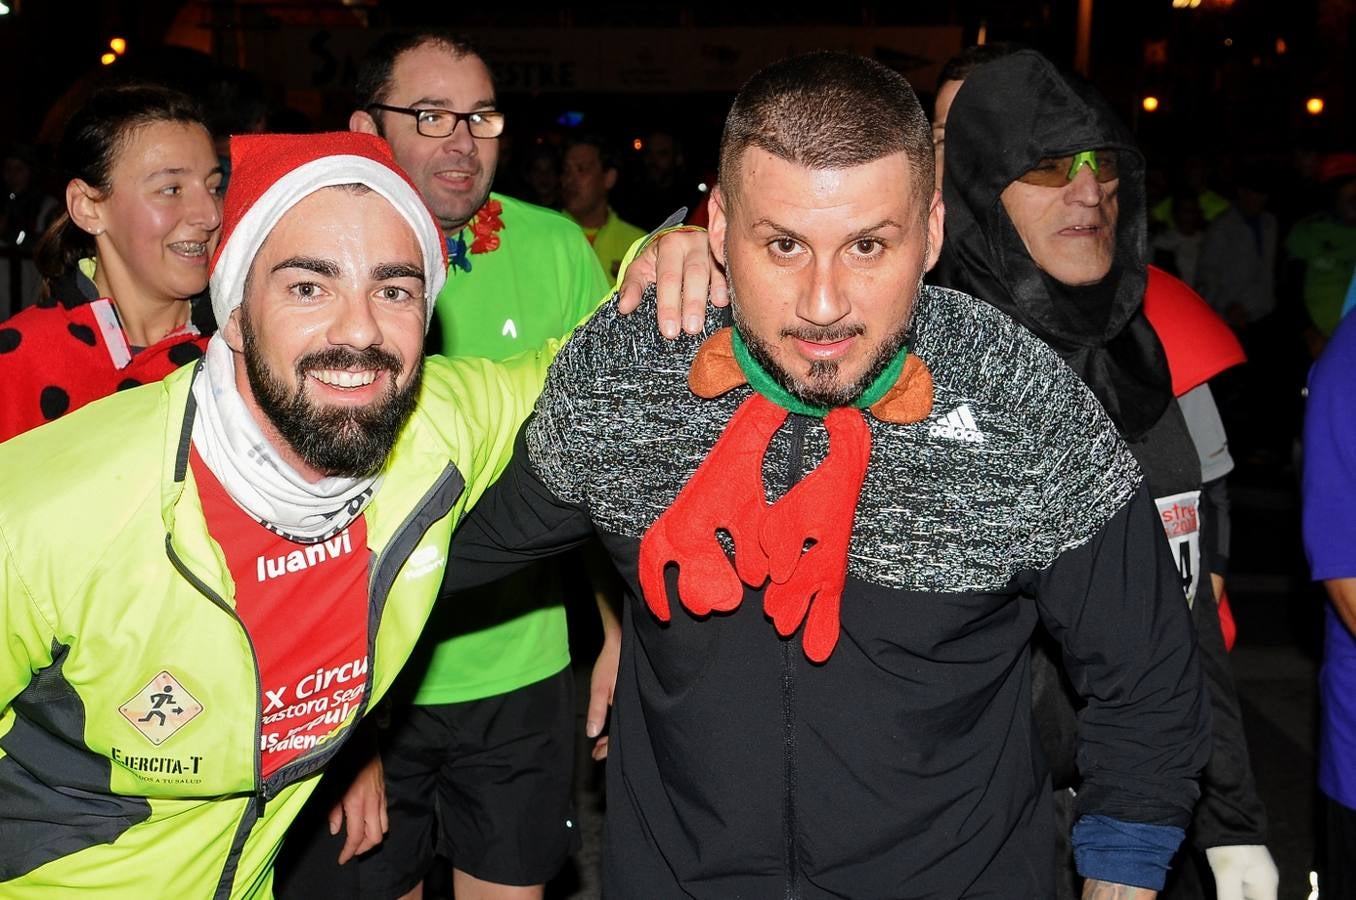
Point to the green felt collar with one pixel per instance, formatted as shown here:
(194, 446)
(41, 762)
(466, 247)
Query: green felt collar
(765, 384)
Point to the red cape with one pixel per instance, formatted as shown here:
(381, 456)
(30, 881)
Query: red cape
(1199, 346)
(1197, 342)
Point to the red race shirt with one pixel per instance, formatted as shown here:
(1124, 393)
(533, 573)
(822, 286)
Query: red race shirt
(305, 609)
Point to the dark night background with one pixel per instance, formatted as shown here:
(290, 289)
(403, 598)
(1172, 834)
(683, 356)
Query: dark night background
(1230, 74)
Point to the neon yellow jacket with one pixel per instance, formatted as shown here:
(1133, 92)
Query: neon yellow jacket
(111, 589)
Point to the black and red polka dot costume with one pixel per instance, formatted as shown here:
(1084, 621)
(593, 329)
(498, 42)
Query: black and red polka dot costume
(57, 357)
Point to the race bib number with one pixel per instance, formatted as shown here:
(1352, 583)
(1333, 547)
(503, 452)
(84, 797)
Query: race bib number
(1181, 517)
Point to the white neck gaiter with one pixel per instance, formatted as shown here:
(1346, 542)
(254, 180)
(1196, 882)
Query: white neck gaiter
(234, 448)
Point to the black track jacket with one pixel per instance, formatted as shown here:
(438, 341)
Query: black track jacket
(907, 764)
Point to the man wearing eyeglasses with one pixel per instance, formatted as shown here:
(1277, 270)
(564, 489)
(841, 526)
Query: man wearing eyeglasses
(520, 273)
(478, 765)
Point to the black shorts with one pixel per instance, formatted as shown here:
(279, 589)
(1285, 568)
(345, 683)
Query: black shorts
(485, 783)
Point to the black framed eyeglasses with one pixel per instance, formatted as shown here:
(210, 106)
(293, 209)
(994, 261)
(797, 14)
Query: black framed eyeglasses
(440, 123)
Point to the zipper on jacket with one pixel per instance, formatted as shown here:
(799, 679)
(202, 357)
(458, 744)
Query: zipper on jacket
(789, 772)
(226, 883)
(253, 811)
(795, 472)
(392, 559)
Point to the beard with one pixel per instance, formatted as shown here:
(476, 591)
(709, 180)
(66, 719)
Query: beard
(350, 442)
(820, 386)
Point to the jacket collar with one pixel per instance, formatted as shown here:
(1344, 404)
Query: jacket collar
(418, 459)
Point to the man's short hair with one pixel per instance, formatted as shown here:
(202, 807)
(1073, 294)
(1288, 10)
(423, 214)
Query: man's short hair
(607, 153)
(373, 83)
(827, 110)
(959, 67)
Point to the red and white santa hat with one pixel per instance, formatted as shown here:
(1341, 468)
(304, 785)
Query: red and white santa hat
(271, 173)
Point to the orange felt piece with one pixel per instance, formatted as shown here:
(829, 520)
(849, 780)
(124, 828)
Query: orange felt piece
(714, 370)
(910, 400)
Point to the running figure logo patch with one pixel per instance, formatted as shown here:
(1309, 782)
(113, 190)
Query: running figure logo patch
(161, 708)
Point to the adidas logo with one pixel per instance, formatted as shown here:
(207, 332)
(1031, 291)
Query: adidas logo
(957, 425)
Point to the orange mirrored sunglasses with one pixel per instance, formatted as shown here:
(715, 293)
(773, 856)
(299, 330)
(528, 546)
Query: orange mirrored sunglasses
(1057, 171)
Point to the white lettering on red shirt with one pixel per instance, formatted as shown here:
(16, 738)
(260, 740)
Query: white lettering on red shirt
(305, 609)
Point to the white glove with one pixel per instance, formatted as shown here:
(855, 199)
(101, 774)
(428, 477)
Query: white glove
(1243, 872)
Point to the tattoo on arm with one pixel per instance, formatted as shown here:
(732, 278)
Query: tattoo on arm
(1105, 890)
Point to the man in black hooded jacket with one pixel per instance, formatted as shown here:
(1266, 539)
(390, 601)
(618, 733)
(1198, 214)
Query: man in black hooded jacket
(1044, 194)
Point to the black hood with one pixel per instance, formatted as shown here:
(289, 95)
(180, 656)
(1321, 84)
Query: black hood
(1008, 115)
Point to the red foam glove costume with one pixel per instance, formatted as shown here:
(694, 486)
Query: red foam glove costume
(796, 548)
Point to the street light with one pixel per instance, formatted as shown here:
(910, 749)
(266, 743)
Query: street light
(1314, 106)
(1149, 103)
(116, 47)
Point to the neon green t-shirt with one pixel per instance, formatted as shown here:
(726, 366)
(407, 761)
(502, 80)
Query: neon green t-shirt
(1328, 248)
(540, 282)
(611, 242)
(1212, 204)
